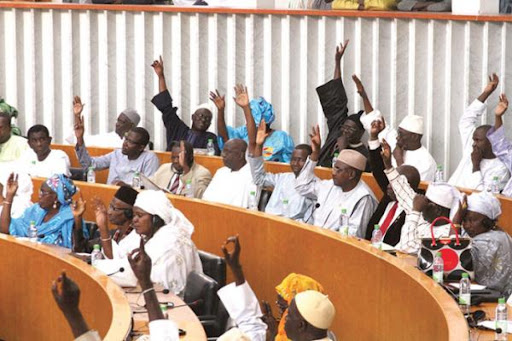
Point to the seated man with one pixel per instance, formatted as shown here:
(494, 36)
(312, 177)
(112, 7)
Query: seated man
(425, 5)
(126, 120)
(122, 163)
(492, 247)
(167, 237)
(233, 183)
(501, 146)
(440, 200)
(174, 176)
(176, 129)
(283, 183)
(345, 132)
(278, 145)
(118, 214)
(344, 191)
(40, 160)
(389, 215)
(11, 146)
(479, 165)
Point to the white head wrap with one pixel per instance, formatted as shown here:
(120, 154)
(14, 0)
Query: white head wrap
(444, 195)
(412, 123)
(486, 204)
(315, 308)
(157, 203)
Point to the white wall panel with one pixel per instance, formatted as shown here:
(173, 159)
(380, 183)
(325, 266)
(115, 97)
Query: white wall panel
(432, 68)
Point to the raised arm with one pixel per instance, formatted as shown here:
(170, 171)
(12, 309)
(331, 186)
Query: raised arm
(101, 214)
(220, 103)
(78, 209)
(368, 108)
(242, 100)
(500, 111)
(12, 188)
(340, 50)
(489, 89)
(158, 67)
(307, 184)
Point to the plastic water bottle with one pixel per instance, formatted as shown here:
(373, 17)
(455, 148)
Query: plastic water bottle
(136, 180)
(438, 268)
(91, 175)
(32, 232)
(334, 159)
(210, 148)
(189, 189)
(253, 205)
(495, 185)
(344, 222)
(501, 320)
(439, 177)
(377, 237)
(96, 254)
(465, 294)
(163, 307)
(286, 208)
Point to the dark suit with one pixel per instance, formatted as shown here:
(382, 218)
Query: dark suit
(392, 236)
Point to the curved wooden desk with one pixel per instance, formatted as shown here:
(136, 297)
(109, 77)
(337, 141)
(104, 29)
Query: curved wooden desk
(27, 308)
(377, 296)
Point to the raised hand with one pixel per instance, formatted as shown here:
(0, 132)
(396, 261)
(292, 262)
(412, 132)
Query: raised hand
(261, 134)
(502, 106)
(461, 212)
(66, 293)
(78, 207)
(359, 85)
(386, 154)
(492, 84)
(100, 211)
(233, 258)
(340, 50)
(316, 140)
(158, 67)
(241, 96)
(377, 127)
(78, 106)
(182, 158)
(218, 100)
(12, 186)
(140, 263)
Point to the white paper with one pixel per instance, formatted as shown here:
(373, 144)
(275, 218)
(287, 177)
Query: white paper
(492, 325)
(474, 287)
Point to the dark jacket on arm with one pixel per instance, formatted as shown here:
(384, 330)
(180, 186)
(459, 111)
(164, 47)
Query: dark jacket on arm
(176, 129)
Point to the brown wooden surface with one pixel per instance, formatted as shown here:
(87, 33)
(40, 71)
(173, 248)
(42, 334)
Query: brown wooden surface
(296, 12)
(27, 308)
(377, 296)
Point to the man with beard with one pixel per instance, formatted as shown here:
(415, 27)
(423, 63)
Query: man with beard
(122, 163)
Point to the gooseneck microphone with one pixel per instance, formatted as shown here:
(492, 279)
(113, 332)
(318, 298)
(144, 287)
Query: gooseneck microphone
(121, 269)
(317, 205)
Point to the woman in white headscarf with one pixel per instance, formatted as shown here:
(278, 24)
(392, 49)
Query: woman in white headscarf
(492, 247)
(167, 233)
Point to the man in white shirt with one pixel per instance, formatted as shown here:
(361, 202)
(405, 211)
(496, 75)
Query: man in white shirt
(232, 184)
(344, 191)
(127, 119)
(478, 166)
(40, 160)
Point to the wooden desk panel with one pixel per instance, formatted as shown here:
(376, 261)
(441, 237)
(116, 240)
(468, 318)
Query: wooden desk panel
(377, 296)
(27, 308)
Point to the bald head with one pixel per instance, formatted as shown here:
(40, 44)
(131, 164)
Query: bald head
(412, 175)
(233, 154)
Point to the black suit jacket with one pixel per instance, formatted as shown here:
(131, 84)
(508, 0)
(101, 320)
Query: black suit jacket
(394, 230)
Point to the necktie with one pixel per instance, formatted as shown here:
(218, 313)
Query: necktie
(389, 218)
(175, 184)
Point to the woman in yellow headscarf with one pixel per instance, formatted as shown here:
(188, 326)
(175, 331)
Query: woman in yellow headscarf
(286, 291)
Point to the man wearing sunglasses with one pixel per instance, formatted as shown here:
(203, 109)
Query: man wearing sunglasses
(122, 163)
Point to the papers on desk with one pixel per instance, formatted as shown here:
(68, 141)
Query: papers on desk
(474, 287)
(492, 325)
(387, 248)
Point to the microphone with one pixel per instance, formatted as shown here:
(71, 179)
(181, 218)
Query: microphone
(317, 205)
(191, 304)
(164, 291)
(121, 269)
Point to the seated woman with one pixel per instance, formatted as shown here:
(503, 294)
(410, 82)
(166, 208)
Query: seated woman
(167, 234)
(58, 222)
(277, 147)
(492, 247)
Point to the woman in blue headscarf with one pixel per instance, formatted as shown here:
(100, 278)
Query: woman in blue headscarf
(57, 220)
(278, 146)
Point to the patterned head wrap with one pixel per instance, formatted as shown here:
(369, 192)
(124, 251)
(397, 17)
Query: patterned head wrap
(6, 108)
(261, 108)
(63, 186)
(287, 289)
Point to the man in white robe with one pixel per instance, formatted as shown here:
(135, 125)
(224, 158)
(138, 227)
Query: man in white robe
(344, 191)
(233, 183)
(168, 233)
(478, 166)
(405, 143)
